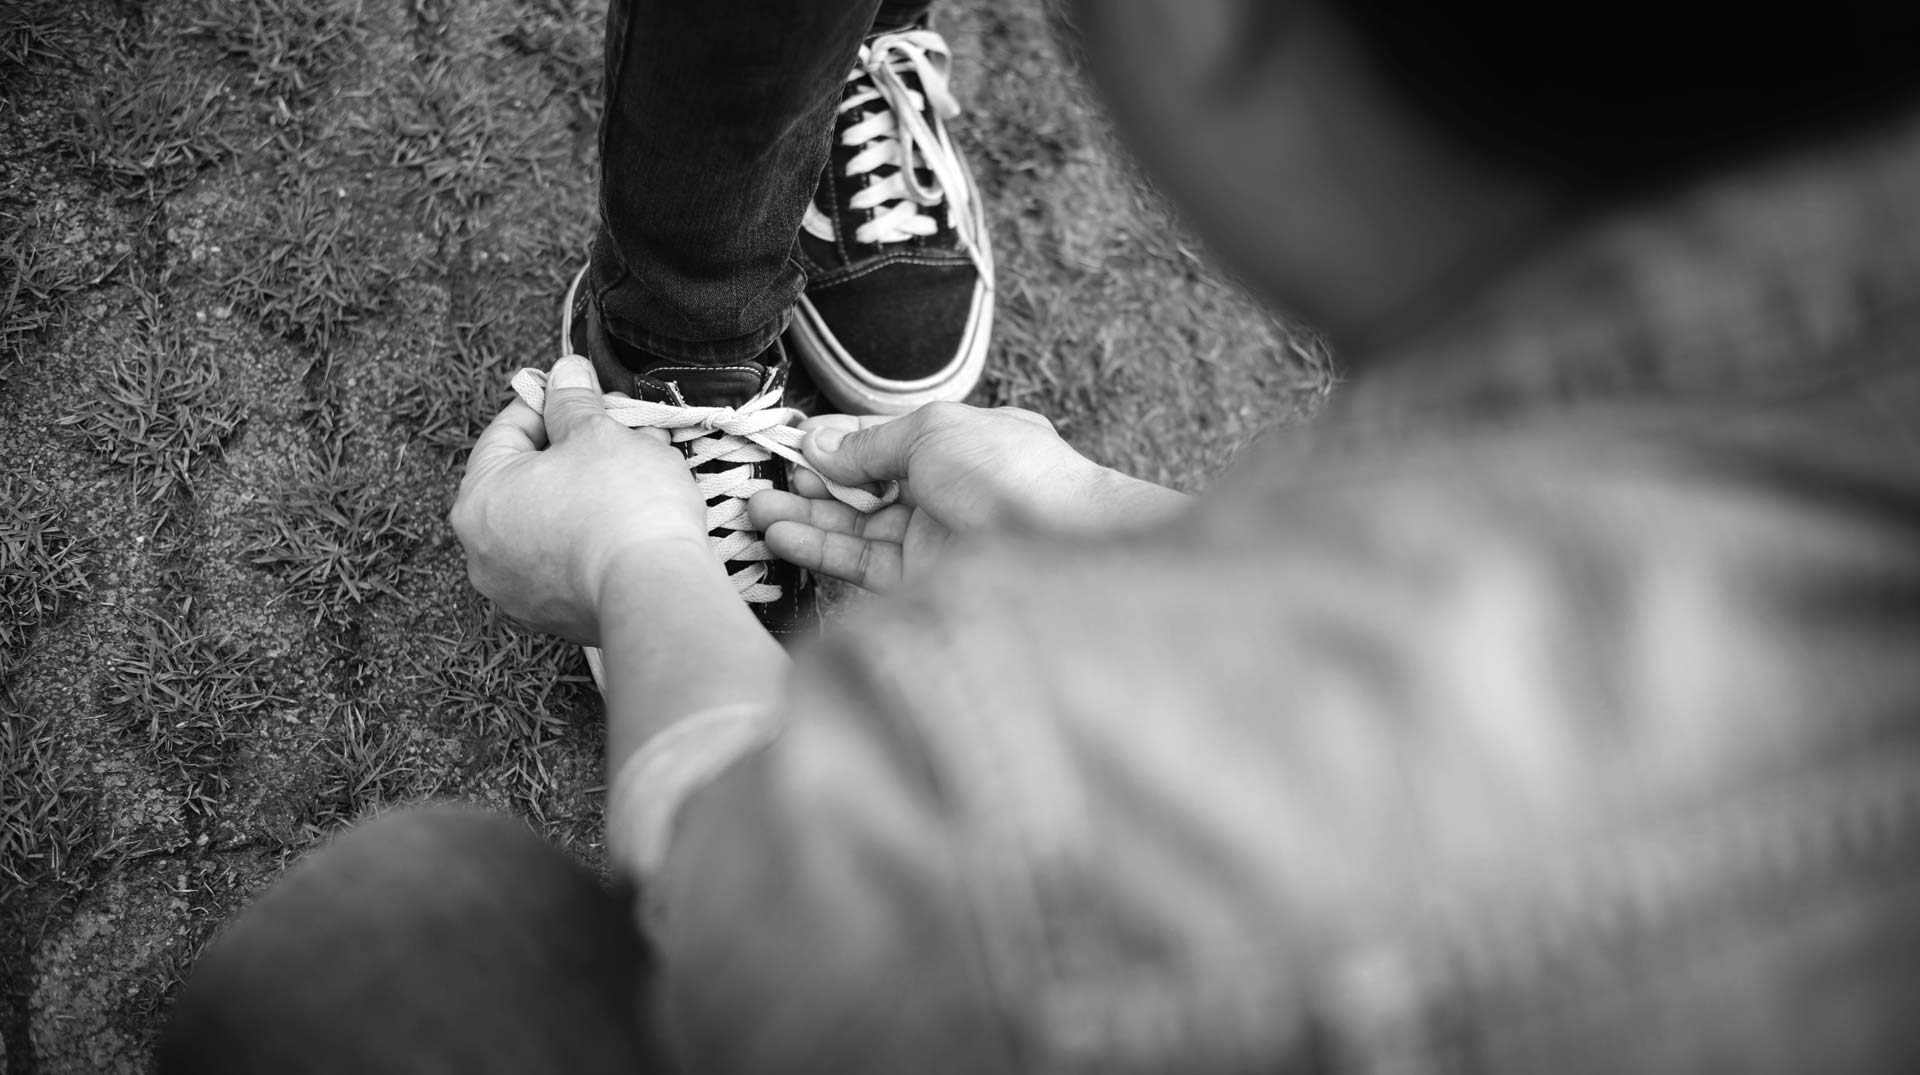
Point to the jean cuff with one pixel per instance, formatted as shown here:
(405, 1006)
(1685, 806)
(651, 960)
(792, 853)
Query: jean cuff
(711, 352)
(699, 352)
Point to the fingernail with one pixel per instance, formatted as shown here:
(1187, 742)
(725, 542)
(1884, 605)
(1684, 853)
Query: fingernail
(827, 440)
(571, 371)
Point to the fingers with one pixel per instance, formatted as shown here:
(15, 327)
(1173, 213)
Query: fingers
(574, 402)
(808, 484)
(832, 538)
(887, 524)
(518, 428)
(876, 450)
(870, 565)
(772, 506)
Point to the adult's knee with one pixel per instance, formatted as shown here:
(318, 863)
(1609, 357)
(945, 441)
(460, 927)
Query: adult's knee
(417, 938)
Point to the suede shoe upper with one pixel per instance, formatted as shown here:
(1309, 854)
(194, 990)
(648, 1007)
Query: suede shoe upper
(899, 277)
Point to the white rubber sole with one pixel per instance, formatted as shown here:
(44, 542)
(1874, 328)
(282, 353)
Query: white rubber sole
(595, 664)
(566, 312)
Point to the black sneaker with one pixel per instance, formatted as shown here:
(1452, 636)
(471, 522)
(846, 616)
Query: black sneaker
(898, 308)
(783, 595)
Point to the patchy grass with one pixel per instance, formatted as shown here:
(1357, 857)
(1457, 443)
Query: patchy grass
(188, 699)
(336, 541)
(158, 408)
(287, 49)
(307, 271)
(518, 695)
(508, 683)
(564, 38)
(448, 136)
(33, 286)
(41, 569)
(48, 816)
(28, 39)
(445, 399)
(151, 120)
(366, 766)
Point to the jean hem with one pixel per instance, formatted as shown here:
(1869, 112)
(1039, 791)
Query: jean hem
(699, 352)
(711, 352)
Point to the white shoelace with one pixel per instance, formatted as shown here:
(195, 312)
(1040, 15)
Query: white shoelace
(899, 136)
(749, 434)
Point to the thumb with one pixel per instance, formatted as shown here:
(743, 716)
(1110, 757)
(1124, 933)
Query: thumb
(876, 451)
(573, 398)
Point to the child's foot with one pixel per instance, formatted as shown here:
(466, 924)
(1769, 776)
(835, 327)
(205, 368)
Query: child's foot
(729, 468)
(899, 301)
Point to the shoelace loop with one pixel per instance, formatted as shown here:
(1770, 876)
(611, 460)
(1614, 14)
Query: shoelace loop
(900, 136)
(748, 434)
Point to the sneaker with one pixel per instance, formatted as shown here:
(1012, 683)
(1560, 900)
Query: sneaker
(730, 468)
(898, 307)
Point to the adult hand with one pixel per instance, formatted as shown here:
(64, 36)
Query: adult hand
(961, 469)
(552, 510)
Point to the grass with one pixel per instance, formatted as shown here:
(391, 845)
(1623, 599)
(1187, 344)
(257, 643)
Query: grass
(366, 766)
(25, 40)
(506, 682)
(307, 271)
(448, 137)
(265, 268)
(519, 696)
(159, 408)
(153, 121)
(48, 816)
(445, 400)
(563, 37)
(286, 49)
(33, 286)
(41, 569)
(334, 540)
(188, 699)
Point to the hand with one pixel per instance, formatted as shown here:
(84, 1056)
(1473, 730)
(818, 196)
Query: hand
(962, 469)
(552, 511)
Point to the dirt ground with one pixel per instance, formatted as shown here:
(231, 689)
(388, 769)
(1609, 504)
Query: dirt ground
(265, 266)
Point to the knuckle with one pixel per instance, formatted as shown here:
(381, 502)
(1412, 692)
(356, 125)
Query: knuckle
(1030, 417)
(942, 415)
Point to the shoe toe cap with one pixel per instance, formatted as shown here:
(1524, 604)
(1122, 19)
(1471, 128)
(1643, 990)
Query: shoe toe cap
(901, 322)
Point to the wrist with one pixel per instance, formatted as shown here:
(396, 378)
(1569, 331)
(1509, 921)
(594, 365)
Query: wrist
(1111, 500)
(677, 639)
(625, 577)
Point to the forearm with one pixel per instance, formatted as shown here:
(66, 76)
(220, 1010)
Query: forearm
(678, 640)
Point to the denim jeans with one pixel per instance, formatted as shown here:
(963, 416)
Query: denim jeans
(717, 124)
(436, 939)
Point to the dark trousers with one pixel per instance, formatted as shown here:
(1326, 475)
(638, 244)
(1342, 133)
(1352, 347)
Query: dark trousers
(718, 116)
(430, 940)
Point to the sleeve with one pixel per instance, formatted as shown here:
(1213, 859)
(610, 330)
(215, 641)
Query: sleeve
(1359, 764)
(647, 793)
(799, 883)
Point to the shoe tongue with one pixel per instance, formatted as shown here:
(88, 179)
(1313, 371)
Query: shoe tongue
(703, 386)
